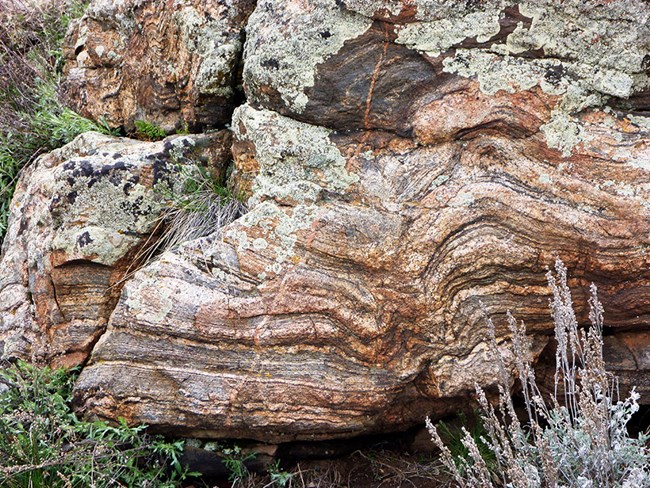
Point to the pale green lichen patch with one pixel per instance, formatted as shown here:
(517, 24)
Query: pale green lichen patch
(438, 36)
(298, 163)
(286, 43)
(564, 132)
(148, 285)
(280, 225)
(584, 53)
(212, 39)
(297, 160)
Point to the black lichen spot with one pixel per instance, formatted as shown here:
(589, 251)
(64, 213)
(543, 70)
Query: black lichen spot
(71, 197)
(270, 63)
(109, 168)
(127, 187)
(71, 180)
(68, 166)
(91, 182)
(117, 156)
(325, 34)
(160, 169)
(115, 180)
(84, 239)
(84, 168)
(24, 222)
(555, 74)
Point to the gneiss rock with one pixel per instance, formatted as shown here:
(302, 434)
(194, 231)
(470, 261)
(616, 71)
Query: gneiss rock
(79, 218)
(175, 64)
(410, 165)
(348, 300)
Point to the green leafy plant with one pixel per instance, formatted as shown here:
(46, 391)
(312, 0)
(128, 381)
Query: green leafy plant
(148, 131)
(234, 458)
(577, 438)
(44, 444)
(278, 476)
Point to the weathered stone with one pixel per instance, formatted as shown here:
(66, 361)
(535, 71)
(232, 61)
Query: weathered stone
(348, 300)
(174, 64)
(411, 166)
(79, 217)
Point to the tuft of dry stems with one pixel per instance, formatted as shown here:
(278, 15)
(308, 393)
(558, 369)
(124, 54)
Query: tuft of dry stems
(199, 209)
(577, 438)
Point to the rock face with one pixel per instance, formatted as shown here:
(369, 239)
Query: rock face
(408, 164)
(410, 167)
(80, 216)
(174, 64)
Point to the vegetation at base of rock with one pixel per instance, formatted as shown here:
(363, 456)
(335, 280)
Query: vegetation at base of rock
(574, 438)
(32, 118)
(453, 433)
(44, 444)
(148, 131)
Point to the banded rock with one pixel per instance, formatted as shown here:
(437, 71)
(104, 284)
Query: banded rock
(80, 217)
(175, 64)
(411, 166)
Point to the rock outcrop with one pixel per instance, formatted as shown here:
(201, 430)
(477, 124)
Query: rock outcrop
(174, 64)
(80, 218)
(410, 167)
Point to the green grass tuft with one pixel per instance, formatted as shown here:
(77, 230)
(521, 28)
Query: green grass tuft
(44, 444)
(148, 131)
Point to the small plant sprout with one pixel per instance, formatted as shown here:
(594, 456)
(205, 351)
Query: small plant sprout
(576, 438)
(148, 131)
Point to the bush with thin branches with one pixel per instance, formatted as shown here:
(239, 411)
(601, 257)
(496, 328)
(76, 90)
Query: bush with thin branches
(576, 437)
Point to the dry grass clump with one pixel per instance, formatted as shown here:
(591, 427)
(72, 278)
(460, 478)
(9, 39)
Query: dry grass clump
(201, 207)
(577, 438)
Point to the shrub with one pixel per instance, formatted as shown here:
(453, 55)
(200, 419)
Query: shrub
(32, 119)
(577, 438)
(44, 444)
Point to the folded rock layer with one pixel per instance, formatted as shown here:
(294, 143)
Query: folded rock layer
(410, 167)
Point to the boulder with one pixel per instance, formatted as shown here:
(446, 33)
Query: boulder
(352, 297)
(81, 218)
(411, 167)
(174, 64)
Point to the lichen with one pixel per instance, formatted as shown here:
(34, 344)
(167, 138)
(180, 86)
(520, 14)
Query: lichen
(297, 165)
(438, 36)
(564, 132)
(583, 53)
(285, 56)
(212, 39)
(297, 160)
